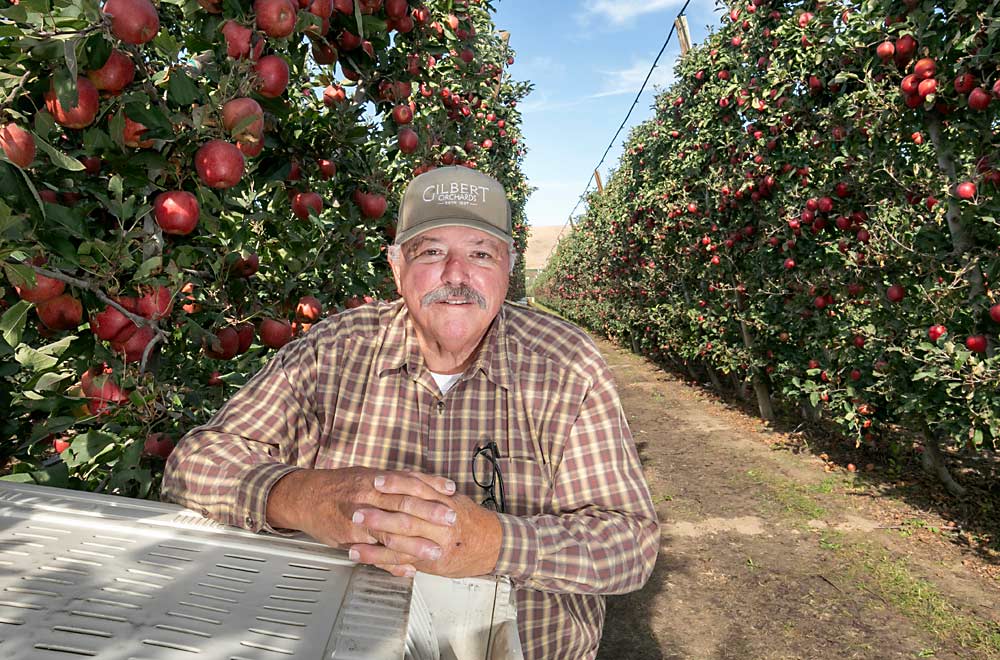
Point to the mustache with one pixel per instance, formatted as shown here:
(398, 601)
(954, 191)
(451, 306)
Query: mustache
(467, 293)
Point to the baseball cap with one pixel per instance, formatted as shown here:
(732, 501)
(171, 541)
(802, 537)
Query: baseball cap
(450, 197)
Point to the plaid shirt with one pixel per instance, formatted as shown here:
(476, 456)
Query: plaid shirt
(355, 392)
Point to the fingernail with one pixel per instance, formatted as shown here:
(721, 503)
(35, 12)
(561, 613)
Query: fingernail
(450, 517)
(449, 486)
(433, 554)
(409, 571)
(379, 481)
(358, 517)
(353, 554)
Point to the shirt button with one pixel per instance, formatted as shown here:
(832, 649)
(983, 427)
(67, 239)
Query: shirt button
(440, 406)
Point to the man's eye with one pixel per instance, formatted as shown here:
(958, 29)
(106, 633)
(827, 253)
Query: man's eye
(482, 255)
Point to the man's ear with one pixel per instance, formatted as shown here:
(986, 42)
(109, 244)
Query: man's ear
(395, 266)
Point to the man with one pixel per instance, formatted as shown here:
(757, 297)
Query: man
(365, 434)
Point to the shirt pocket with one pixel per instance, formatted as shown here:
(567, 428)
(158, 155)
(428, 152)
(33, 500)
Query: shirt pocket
(527, 486)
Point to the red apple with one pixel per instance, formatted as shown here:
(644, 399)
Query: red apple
(396, 9)
(408, 140)
(18, 144)
(372, 205)
(327, 168)
(401, 114)
(302, 202)
(60, 444)
(158, 445)
(99, 386)
(274, 333)
(935, 332)
(176, 212)
(246, 266)
(64, 312)
(80, 115)
(896, 293)
(976, 343)
(966, 190)
(155, 303)
(225, 345)
(45, 288)
(111, 325)
(925, 68)
(133, 21)
(219, 164)
(309, 309)
(239, 41)
(214, 379)
(132, 135)
(965, 83)
(979, 99)
(116, 74)
(246, 333)
(272, 70)
(133, 347)
(886, 50)
(334, 94)
(995, 312)
(275, 18)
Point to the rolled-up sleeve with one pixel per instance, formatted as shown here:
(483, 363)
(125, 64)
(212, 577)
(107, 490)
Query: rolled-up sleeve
(226, 468)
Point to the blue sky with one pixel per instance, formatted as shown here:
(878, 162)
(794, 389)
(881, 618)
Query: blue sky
(587, 61)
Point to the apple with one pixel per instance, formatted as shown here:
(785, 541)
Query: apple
(937, 331)
(906, 45)
(246, 333)
(372, 205)
(246, 266)
(155, 303)
(243, 119)
(211, 6)
(176, 212)
(133, 347)
(966, 190)
(347, 40)
(976, 343)
(965, 83)
(158, 445)
(896, 293)
(886, 50)
(327, 168)
(18, 144)
(45, 288)
(309, 309)
(99, 386)
(303, 202)
(855, 375)
(214, 379)
(396, 9)
(925, 68)
(789, 263)
(979, 99)
(133, 21)
(275, 18)
(111, 325)
(333, 94)
(995, 313)
(274, 333)
(344, 6)
(323, 53)
(219, 164)
(80, 115)
(60, 445)
(408, 140)
(239, 40)
(132, 135)
(225, 345)
(272, 71)
(402, 114)
(64, 312)
(116, 74)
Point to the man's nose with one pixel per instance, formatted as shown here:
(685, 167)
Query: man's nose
(456, 270)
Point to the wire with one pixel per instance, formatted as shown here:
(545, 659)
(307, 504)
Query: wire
(611, 144)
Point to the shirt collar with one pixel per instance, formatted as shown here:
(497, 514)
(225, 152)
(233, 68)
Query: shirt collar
(399, 347)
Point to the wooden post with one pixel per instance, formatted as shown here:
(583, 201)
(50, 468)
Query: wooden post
(683, 33)
(600, 187)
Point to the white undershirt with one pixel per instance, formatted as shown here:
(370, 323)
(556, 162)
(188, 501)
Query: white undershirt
(445, 381)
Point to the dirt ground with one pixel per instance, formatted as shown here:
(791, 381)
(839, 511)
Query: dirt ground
(770, 553)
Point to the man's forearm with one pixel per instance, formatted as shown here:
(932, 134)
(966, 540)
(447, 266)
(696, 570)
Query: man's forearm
(284, 509)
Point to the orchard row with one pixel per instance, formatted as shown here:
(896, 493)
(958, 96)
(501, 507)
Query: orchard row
(812, 212)
(186, 186)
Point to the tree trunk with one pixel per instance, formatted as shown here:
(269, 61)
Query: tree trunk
(714, 377)
(934, 464)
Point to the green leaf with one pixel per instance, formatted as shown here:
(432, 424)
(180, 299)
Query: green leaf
(149, 266)
(96, 50)
(359, 17)
(69, 53)
(65, 85)
(88, 447)
(13, 321)
(59, 158)
(181, 89)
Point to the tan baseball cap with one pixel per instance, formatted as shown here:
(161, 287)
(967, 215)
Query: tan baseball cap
(450, 197)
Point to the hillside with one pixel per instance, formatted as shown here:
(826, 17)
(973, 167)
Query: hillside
(540, 244)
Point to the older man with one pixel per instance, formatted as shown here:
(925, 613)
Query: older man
(384, 428)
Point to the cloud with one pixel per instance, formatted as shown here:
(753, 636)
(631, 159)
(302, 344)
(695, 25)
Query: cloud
(619, 12)
(629, 80)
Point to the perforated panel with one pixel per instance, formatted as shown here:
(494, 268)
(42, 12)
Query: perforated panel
(84, 575)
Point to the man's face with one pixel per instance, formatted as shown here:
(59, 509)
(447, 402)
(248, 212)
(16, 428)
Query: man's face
(454, 281)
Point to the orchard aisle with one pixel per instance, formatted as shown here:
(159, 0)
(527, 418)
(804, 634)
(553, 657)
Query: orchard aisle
(766, 555)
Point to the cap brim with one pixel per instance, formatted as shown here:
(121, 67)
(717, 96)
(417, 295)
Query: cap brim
(413, 232)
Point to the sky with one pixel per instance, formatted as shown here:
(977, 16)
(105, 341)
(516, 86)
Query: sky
(587, 61)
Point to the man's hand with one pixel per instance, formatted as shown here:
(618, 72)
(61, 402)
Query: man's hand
(470, 546)
(322, 503)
